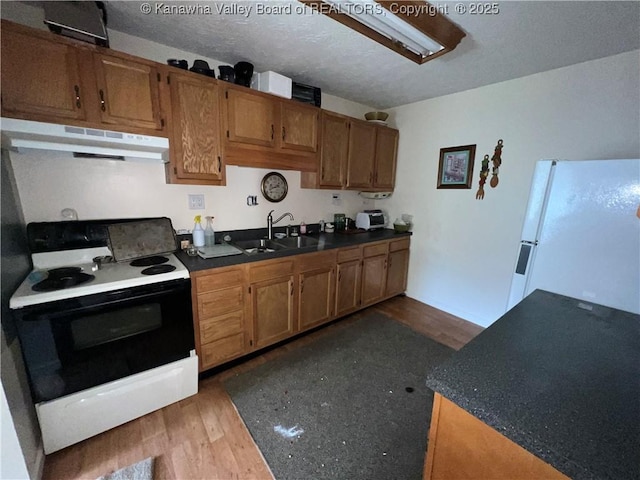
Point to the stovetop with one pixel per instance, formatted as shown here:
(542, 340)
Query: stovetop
(110, 276)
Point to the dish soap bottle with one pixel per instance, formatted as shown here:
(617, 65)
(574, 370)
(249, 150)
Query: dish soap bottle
(198, 233)
(209, 234)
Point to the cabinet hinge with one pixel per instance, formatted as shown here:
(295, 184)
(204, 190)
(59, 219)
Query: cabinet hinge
(168, 80)
(159, 77)
(226, 94)
(251, 343)
(227, 133)
(162, 122)
(249, 288)
(175, 170)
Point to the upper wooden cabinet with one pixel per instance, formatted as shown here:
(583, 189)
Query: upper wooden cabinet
(50, 78)
(354, 155)
(384, 171)
(195, 129)
(128, 92)
(250, 119)
(362, 150)
(40, 78)
(261, 130)
(298, 127)
(334, 149)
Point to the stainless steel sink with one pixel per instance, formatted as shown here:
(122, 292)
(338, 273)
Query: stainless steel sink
(264, 245)
(297, 242)
(259, 246)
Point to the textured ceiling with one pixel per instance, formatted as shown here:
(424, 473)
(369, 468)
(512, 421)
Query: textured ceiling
(522, 39)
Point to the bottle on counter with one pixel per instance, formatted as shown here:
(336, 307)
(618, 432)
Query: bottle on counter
(303, 228)
(209, 234)
(198, 233)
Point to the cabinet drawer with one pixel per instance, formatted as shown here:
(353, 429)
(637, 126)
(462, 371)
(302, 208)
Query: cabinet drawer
(374, 250)
(219, 302)
(402, 244)
(269, 270)
(221, 350)
(316, 260)
(348, 254)
(221, 326)
(218, 280)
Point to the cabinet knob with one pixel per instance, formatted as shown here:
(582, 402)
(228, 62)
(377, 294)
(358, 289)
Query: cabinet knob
(102, 104)
(76, 88)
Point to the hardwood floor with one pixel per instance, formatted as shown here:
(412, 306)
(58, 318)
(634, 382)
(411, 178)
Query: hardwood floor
(203, 437)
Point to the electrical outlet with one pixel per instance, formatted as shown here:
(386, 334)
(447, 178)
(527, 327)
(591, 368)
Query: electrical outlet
(335, 199)
(196, 202)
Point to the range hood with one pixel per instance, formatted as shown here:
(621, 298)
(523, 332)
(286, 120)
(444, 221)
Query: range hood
(25, 134)
(84, 21)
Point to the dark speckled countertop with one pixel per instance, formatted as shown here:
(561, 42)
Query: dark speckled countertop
(326, 241)
(559, 377)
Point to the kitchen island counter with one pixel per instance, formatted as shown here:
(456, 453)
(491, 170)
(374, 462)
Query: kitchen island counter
(560, 378)
(326, 241)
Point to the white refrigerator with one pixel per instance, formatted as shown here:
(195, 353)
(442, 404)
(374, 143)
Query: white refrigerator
(581, 234)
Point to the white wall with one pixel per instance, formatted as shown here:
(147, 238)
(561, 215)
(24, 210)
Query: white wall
(50, 182)
(464, 250)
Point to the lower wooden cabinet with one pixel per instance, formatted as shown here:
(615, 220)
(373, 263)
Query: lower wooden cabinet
(397, 267)
(462, 447)
(271, 307)
(247, 307)
(374, 273)
(219, 315)
(348, 280)
(316, 285)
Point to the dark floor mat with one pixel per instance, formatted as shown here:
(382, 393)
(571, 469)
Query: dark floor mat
(351, 405)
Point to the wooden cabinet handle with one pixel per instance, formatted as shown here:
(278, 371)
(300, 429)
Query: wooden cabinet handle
(291, 283)
(77, 90)
(301, 286)
(283, 133)
(219, 164)
(102, 104)
(272, 131)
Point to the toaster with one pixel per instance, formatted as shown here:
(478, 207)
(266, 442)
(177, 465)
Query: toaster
(371, 219)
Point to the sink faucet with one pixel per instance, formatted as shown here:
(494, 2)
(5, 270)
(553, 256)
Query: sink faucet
(271, 221)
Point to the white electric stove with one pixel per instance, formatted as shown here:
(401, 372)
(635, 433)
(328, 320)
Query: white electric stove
(108, 277)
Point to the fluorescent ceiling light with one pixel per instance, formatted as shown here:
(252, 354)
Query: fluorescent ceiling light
(412, 28)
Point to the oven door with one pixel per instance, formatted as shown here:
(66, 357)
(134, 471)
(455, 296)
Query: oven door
(75, 344)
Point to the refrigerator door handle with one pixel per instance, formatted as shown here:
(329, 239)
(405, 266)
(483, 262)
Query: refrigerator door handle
(523, 257)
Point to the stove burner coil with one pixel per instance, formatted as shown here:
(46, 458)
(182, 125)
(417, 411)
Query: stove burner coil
(148, 261)
(156, 269)
(61, 278)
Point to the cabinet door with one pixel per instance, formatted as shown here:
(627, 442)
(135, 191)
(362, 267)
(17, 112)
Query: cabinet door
(334, 150)
(362, 144)
(273, 311)
(347, 287)
(315, 304)
(373, 278)
(397, 268)
(40, 77)
(195, 146)
(385, 159)
(250, 118)
(299, 127)
(128, 92)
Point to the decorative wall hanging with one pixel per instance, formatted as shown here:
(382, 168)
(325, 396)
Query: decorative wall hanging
(496, 160)
(484, 173)
(456, 166)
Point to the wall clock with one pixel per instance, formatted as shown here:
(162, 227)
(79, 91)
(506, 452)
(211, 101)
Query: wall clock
(274, 187)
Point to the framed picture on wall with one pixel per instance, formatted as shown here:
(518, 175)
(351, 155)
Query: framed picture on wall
(456, 167)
